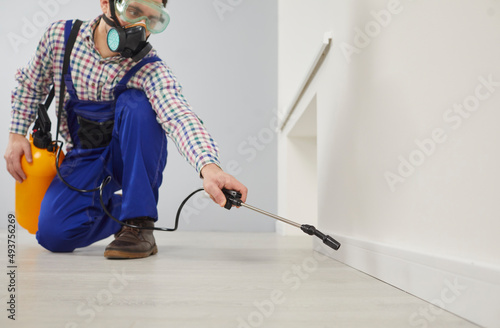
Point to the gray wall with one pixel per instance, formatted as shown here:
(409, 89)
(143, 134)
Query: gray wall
(225, 56)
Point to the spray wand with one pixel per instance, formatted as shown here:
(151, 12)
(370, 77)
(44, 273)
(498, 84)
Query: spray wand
(234, 199)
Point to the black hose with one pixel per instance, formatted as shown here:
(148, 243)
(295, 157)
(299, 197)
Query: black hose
(108, 180)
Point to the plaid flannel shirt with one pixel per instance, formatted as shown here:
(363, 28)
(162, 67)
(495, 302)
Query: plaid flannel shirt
(95, 77)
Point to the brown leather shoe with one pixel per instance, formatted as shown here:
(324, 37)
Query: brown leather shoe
(133, 243)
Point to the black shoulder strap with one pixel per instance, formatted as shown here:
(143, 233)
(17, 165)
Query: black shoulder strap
(67, 57)
(48, 101)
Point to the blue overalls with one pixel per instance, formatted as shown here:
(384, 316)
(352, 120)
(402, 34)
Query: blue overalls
(134, 155)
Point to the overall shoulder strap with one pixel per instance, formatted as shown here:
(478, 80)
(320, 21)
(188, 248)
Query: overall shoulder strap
(70, 33)
(122, 85)
(67, 31)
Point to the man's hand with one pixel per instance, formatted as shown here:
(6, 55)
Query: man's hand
(17, 147)
(214, 179)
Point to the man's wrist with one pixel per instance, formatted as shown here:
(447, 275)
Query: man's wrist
(15, 135)
(208, 169)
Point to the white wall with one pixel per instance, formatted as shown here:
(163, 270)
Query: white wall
(225, 58)
(439, 223)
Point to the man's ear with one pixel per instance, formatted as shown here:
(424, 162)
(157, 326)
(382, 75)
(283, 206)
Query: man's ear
(105, 7)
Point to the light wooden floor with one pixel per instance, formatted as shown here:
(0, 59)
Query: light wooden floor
(205, 280)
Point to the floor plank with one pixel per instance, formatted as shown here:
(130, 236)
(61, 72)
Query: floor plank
(205, 279)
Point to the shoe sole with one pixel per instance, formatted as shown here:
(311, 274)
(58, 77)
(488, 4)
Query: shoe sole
(117, 254)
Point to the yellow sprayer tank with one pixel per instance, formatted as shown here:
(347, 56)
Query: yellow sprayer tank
(29, 194)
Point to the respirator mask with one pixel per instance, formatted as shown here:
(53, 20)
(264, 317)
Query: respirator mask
(130, 41)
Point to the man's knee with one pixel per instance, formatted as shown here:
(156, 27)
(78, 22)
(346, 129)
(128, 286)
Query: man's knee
(55, 237)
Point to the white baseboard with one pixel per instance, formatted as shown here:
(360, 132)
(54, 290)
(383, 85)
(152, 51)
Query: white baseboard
(468, 289)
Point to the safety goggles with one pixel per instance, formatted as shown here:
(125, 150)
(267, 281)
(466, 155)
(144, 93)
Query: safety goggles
(153, 13)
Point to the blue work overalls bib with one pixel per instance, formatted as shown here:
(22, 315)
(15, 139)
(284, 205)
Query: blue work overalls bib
(133, 153)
